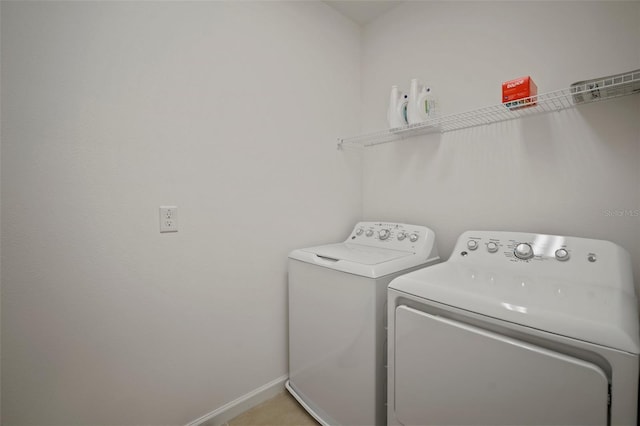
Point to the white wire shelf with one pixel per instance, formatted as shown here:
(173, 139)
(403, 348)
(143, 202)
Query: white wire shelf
(578, 94)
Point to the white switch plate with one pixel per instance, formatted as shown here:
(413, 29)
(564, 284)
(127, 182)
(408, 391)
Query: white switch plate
(168, 219)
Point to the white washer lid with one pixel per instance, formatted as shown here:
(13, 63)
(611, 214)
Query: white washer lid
(588, 311)
(358, 259)
(357, 253)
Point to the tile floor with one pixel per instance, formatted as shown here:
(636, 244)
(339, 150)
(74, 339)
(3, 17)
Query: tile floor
(281, 410)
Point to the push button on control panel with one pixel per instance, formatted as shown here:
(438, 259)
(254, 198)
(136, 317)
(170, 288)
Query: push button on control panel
(562, 254)
(472, 244)
(492, 247)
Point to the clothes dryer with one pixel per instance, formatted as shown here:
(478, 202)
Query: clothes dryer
(337, 319)
(516, 329)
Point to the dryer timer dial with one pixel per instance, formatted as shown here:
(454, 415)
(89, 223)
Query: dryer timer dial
(523, 251)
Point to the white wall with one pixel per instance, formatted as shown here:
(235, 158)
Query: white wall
(567, 173)
(229, 110)
(112, 109)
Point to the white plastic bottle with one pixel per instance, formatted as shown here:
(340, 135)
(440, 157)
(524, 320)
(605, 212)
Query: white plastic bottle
(397, 112)
(422, 103)
(403, 108)
(413, 114)
(426, 104)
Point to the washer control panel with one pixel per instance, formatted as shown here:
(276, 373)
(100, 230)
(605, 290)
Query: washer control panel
(396, 236)
(521, 247)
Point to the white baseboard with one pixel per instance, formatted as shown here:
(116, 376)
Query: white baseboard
(238, 406)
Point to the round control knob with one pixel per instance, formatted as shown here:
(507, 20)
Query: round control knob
(562, 254)
(492, 247)
(369, 232)
(359, 231)
(413, 238)
(472, 244)
(523, 251)
(402, 236)
(383, 234)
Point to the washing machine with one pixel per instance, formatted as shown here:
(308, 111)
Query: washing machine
(516, 329)
(337, 319)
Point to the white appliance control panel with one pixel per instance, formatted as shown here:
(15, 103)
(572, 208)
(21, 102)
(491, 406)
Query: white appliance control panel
(395, 236)
(527, 247)
(553, 255)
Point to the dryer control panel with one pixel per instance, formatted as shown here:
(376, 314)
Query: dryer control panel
(395, 236)
(552, 255)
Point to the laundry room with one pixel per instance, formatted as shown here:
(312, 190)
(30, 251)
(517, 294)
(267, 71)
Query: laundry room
(160, 161)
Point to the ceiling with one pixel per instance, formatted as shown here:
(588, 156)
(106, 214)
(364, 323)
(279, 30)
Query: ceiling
(362, 11)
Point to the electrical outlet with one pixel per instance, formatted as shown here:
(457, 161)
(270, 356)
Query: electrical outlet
(168, 219)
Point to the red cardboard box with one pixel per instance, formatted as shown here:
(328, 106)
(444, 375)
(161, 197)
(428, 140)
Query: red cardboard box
(519, 93)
